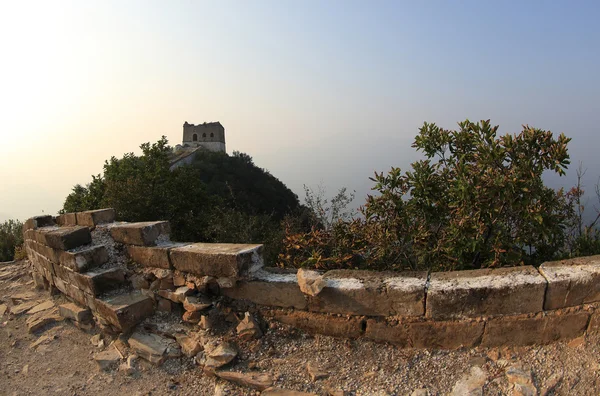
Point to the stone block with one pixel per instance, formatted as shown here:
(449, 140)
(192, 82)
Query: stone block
(64, 238)
(156, 257)
(571, 282)
(84, 260)
(98, 281)
(383, 332)
(37, 222)
(594, 324)
(485, 292)
(141, 234)
(270, 287)
(539, 329)
(91, 218)
(67, 219)
(446, 334)
(316, 323)
(75, 294)
(123, 311)
(369, 293)
(149, 346)
(217, 259)
(75, 312)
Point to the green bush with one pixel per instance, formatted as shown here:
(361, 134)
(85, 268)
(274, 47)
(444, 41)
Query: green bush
(11, 238)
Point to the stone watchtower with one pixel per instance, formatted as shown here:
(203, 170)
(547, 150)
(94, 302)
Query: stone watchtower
(210, 135)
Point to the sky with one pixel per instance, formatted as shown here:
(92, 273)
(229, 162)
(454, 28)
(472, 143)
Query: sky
(315, 91)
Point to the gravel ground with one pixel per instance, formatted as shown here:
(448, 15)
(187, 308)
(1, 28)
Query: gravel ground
(64, 365)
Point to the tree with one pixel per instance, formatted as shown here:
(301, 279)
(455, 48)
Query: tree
(328, 212)
(11, 238)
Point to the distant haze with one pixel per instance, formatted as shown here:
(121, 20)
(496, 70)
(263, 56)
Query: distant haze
(314, 91)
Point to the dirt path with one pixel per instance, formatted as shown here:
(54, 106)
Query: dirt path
(63, 364)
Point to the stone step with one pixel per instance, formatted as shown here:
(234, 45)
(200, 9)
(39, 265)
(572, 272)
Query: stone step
(123, 311)
(63, 238)
(140, 234)
(221, 260)
(93, 282)
(91, 218)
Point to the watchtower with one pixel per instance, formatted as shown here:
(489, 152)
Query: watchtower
(210, 135)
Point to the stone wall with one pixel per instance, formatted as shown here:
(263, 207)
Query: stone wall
(490, 307)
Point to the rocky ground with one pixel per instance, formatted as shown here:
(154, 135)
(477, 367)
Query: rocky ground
(58, 358)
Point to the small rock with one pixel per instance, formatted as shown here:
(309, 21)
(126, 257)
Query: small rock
(151, 347)
(471, 383)
(205, 323)
(108, 359)
(164, 305)
(577, 342)
(315, 373)
(41, 307)
(95, 340)
(521, 381)
(178, 279)
(221, 355)
(192, 317)
(189, 346)
(248, 329)
(139, 282)
(310, 282)
(3, 309)
(193, 304)
(258, 381)
(25, 369)
(420, 392)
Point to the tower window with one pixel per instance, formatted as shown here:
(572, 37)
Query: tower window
(212, 135)
(195, 138)
(204, 135)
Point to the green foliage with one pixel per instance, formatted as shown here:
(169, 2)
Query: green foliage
(475, 200)
(328, 212)
(217, 198)
(11, 239)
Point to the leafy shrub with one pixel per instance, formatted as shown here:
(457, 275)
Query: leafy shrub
(475, 200)
(11, 237)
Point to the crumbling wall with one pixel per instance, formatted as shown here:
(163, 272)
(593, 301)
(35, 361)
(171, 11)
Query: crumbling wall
(490, 307)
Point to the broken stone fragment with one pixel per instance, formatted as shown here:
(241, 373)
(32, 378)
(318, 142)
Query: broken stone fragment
(41, 307)
(471, 383)
(95, 340)
(248, 329)
(164, 305)
(189, 345)
(106, 360)
(192, 316)
(521, 381)
(310, 282)
(41, 319)
(193, 304)
(151, 347)
(205, 323)
(258, 381)
(221, 355)
(139, 282)
(315, 372)
(75, 312)
(178, 279)
(226, 283)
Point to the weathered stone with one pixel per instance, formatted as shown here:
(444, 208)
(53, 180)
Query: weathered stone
(221, 355)
(84, 260)
(471, 383)
(38, 280)
(193, 304)
(154, 257)
(75, 312)
(322, 324)
(23, 307)
(123, 311)
(226, 283)
(108, 359)
(91, 218)
(96, 339)
(3, 309)
(164, 305)
(130, 365)
(279, 289)
(445, 334)
(67, 219)
(141, 234)
(551, 384)
(259, 381)
(149, 346)
(521, 381)
(192, 317)
(37, 222)
(179, 279)
(315, 373)
(485, 292)
(41, 307)
(523, 330)
(248, 329)
(205, 323)
(139, 282)
(384, 332)
(571, 282)
(371, 293)
(98, 281)
(217, 259)
(189, 345)
(41, 319)
(310, 282)
(64, 238)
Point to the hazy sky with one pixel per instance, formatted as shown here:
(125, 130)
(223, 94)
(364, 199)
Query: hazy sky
(315, 91)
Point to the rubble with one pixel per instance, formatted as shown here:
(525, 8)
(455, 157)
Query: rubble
(258, 381)
(248, 328)
(151, 347)
(310, 282)
(221, 355)
(107, 360)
